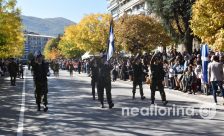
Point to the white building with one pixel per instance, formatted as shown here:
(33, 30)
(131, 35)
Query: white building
(34, 42)
(135, 7)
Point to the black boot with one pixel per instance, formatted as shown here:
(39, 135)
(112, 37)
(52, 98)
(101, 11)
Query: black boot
(153, 102)
(45, 108)
(102, 105)
(38, 107)
(142, 97)
(111, 106)
(165, 103)
(133, 97)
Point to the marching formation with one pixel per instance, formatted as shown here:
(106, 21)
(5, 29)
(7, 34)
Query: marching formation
(101, 75)
(171, 69)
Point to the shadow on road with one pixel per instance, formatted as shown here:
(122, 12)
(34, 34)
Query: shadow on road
(10, 102)
(73, 112)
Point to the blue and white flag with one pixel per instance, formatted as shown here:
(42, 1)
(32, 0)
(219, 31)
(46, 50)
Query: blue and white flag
(111, 48)
(204, 59)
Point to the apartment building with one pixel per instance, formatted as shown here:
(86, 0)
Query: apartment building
(132, 7)
(34, 42)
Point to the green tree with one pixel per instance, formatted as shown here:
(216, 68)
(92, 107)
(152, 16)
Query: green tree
(175, 16)
(30, 56)
(69, 50)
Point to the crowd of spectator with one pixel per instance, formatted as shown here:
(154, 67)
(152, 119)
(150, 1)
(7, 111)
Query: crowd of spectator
(183, 70)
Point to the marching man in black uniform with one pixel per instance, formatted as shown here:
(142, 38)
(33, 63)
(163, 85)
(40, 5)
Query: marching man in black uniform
(157, 78)
(21, 70)
(94, 77)
(13, 68)
(138, 74)
(40, 71)
(104, 81)
(104, 68)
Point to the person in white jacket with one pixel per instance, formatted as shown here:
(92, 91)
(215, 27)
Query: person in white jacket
(215, 76)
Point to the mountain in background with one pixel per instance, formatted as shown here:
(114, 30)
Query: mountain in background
(47, 26)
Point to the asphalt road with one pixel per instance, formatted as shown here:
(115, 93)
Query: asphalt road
(72, 112)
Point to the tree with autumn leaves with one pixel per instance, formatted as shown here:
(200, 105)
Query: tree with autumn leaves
(134, 34)
(51, 49)
(64, 46)
(208, 22)
(91, 34)
(11, 36)
(68, 46)
(138, 33)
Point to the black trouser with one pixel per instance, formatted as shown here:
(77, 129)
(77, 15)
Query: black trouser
(215, 85)
(171, 83)
(71, 72)
(41, 92)
(154, 85)
(107, 86)
(79, 70)
(114, 76)
(139, 83)
(21, 73)
(93, 83)
(13, 80)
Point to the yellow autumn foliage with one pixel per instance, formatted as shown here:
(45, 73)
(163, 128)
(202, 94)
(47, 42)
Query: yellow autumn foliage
(51, 50)
(138, 33)
(68, 45)
(132, 33)
(90, 34)
(208, 22)
(11, 36)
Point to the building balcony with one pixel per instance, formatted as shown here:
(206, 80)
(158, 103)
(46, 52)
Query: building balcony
(130, 4)
(139, 11)
(113, 5)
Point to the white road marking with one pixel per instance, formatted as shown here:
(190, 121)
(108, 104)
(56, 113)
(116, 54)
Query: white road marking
(22, 110)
